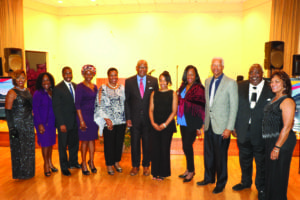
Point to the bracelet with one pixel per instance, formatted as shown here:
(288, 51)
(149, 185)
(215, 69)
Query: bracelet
(277, 147)
(164, 125)
(276, 150)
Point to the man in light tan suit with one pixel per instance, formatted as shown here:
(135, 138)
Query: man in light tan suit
(220, 113)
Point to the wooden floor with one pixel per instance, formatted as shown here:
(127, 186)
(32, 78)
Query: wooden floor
(123, 186)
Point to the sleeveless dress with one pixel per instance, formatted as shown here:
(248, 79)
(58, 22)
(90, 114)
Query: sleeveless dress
(85, 101)
(23, 148)
(161, 140)
(277, 171)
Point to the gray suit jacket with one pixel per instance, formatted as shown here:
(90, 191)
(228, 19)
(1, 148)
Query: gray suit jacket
(222, 113)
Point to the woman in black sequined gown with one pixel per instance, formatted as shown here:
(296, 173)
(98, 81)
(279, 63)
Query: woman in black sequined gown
(280, 139)
(18, 109)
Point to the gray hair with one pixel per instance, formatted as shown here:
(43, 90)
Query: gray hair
(218, 58)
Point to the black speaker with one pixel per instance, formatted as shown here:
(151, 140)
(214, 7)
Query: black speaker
(274, 53)
(296, 65)
(13, 59)
(1, 67)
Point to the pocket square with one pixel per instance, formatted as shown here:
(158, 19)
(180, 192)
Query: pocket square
(150, 88)
(269, 99)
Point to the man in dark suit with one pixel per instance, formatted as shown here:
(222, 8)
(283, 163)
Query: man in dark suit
(220, 113)
(65, 121)
(254, 94)
(137, 91)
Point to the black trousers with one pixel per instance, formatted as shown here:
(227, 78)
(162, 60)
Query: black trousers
(69, 139)
(278, 171)
(188, 137)
(215, 157)
(140, 130)
(248, 151)
(113, 143)
(160, 162)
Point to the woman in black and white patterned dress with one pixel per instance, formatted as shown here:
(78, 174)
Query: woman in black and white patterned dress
(110, 116)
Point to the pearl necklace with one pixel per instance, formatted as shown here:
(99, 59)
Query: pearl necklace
(113, 87)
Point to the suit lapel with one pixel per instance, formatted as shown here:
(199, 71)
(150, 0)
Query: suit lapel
(220, 88)
(207, 89)
(263, 94)
(136, 85)
(67, 90)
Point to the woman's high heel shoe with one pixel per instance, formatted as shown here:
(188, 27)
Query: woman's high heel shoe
(118, 169)
(54, 169)
(185, 180)
(94, 170)
(87, 172)
(47, 174)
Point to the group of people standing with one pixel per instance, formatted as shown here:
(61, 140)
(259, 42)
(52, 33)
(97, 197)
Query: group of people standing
(260, 116)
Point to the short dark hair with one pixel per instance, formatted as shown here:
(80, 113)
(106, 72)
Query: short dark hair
(66, 67)
(111, 69)
(184, 77)
(39, 80)
(286, 81)
(16, 74)
(167, 76)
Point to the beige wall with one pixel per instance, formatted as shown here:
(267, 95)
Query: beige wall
(164, 36)
(256, 29)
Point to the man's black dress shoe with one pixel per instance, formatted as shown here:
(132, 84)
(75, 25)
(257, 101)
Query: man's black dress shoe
(75, 166)
(66, 172)
(204, 182)
(218, 190)
(240, 186)
(261, 195)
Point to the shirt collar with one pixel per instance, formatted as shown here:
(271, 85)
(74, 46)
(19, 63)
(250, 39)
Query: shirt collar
(219, 78)
(259, 86)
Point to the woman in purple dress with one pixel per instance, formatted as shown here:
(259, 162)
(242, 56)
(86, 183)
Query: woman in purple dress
(85, 96)
(44, 120)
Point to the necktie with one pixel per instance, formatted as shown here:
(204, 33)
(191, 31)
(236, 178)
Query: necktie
(141, 88)
(71, 90)
(253, 98)
(212, 92)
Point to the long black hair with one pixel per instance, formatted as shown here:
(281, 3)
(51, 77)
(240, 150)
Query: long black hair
(39, 80)
(184, 77)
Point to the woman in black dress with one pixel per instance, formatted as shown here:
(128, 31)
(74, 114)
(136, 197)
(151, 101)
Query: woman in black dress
(162, 110)
(279, 136)
(18, 110)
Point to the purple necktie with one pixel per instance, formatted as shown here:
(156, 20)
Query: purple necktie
(141, 88)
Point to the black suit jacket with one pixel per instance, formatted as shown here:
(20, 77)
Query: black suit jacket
(64, 106)
(135, 106)
(244, 112)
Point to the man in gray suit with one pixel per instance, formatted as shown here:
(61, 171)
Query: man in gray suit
(220, 113)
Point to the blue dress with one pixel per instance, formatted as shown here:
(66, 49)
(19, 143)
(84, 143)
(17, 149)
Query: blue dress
(85, 101)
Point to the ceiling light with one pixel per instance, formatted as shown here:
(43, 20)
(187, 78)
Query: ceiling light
(60, 1)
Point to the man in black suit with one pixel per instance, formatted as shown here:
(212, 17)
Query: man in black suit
(254, 94)
(63, 101)
(137, 91)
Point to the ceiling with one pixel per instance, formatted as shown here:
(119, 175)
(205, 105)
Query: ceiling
(80, 3)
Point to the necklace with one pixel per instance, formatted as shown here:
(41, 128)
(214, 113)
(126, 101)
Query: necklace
(20, 88)
(113, 87)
